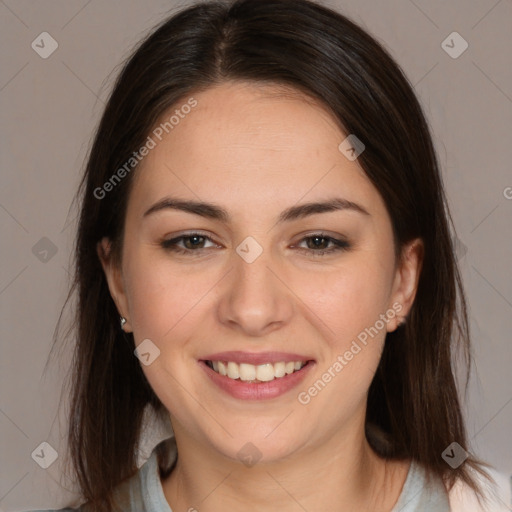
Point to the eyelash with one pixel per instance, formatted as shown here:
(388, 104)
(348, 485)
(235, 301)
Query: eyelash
(338, 245)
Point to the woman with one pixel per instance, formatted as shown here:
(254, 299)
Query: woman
(264, 257)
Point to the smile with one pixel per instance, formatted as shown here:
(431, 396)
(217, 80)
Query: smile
(256, 376)
(255, 373)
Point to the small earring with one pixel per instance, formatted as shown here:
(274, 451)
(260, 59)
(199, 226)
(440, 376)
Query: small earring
(122, 321)
(402, 321)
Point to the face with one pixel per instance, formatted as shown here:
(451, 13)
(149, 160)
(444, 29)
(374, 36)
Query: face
(224, 265)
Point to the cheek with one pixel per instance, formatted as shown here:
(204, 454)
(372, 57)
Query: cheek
(160, 295)
(153, 308)
(348, 305)
(165, 308)
(348, 300)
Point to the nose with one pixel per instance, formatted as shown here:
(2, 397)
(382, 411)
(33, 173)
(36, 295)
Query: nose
(254, 297)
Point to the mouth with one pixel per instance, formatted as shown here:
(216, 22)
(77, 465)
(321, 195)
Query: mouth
(254, 374)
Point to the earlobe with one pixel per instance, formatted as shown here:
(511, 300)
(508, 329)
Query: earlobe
(406, 280)
(114, 280)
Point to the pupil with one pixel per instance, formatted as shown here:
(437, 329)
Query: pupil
(194, 241)
(315, 241)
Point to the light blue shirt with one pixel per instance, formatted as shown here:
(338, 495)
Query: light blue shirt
(143, 492)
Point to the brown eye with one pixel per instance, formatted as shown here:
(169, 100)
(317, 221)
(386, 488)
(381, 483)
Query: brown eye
(194, 241)
(319, 244)
(190, 243)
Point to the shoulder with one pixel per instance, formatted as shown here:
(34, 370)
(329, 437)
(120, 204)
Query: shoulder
(142, 491)
(126, 498)
(419, 493)
(498, 495)
(79, 509)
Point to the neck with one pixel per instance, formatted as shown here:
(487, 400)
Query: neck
(343, 470)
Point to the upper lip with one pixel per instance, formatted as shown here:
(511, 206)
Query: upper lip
(256, 358)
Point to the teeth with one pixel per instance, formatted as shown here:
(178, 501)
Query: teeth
(249, 372)
(279, 370)
(265, 372)
(233, 370)
(222, 368)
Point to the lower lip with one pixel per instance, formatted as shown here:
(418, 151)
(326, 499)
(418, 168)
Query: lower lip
(257, 391)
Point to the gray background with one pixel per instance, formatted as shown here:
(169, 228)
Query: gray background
(51, 106)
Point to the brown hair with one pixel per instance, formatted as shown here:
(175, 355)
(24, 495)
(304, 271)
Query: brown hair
(413, 398)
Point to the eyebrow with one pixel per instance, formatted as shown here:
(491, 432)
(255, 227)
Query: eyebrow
(214, 212)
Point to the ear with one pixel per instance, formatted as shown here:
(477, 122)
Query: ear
(114, 278)
(405, 284)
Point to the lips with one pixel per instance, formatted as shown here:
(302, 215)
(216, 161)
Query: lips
(256, 376)
(257, 358)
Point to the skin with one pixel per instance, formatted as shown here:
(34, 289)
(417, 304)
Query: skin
(255, 150)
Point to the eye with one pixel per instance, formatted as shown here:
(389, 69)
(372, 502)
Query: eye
(319, 244)
(191, 242)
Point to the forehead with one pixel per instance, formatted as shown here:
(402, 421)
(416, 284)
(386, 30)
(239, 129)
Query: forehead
(242, 143)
